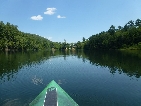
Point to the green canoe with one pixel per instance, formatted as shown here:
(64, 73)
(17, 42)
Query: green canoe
(53, 95)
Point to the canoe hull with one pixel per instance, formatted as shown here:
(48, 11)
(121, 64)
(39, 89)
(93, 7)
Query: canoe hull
(53, 92)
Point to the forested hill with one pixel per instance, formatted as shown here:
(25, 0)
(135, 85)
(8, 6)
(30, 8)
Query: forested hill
(126, 37)
(13, 39)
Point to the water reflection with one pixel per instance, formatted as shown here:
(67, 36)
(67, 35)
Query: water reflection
(37, 81)
(11, 63)
(61, 81)
(13, 102)
(128, 62)
(86, 76)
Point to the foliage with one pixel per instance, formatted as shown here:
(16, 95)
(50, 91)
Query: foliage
(13, 39)
(126, 37)
(121, 38)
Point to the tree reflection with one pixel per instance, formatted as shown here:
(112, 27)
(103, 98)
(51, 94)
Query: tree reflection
(128, 62)
(10, 63)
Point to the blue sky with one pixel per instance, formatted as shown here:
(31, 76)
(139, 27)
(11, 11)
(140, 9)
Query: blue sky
(68, 19)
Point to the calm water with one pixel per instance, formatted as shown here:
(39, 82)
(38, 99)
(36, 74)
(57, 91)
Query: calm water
(99, 78)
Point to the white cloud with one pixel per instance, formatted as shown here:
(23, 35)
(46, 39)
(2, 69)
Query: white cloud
(38, 17)
(50, 11)
(59, 16)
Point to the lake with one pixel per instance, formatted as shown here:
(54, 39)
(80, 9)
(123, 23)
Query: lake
(91, 78)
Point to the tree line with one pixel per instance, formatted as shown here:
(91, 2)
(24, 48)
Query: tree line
(13, 39)
(128, 36)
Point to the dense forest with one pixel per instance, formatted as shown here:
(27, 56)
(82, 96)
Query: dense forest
(13, 39)
(126, 37)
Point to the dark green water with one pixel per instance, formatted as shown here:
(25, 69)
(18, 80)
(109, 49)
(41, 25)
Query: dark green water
(99, 78)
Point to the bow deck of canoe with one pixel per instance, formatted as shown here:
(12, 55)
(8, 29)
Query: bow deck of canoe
(53, 95)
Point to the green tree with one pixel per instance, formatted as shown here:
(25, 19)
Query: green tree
(83, 39)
